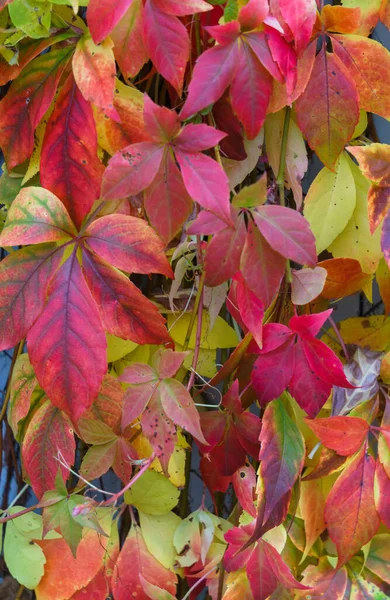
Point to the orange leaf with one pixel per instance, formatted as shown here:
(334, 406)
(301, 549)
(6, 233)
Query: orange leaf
(345, 435)
(344, 277)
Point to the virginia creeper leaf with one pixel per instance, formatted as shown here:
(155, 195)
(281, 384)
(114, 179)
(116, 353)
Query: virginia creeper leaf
(23, 383)
(345, 435)
(69, 164)
(300, 20)
(103, 16)
(129, 48)
(49, 435)
(24, 279)
(67, 345)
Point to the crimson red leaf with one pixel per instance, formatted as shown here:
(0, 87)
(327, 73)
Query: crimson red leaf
(224, 253)
(206, 182)
(103, 15)
(24, 279)
(288, 232)
(323, 361)
(345, 435)
(167, 43)
(285, 57)
(280, 363)
(195, 138)
(300, 19)
(131, 170)
(48, 436)
(275, 335)
(67, 345)
(26, 102)
(128, 243)
(258, 42)
(124, 311)
(250, 308)
(250, 91)
(69, 164)
(309, 390)
(309, 325)
(350, 514)
(261, 266)
(167, 201)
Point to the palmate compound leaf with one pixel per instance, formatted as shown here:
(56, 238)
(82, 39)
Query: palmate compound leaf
(69, 165)
(127, 581)
(350, 514)
(24, 279)
(67, 345)
(26, 102)
(49, 434)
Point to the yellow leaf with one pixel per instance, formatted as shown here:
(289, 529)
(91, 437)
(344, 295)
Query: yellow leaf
(140, 354)
(356, 240)
(177, 461)
(385, 368)
(117, 348)
(153, 493)
(157, 531)
(367, 332)
(330, 202)
(221, 335)
(361, 126)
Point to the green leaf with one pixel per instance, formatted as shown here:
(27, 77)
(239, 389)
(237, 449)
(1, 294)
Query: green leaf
(25, 559)
(220, 336)
(252, 195)
(330, 203)
(153, 494)
(33, 18)
(158, 532)
(231, 11)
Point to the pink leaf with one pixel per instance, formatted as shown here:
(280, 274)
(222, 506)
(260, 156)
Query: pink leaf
(288, 232)
(131, 170)
(258, 42)
(323, 361)
(285, 57)
(309, 325)
(307, 284)
(181, 8)
(179, 407)
(167, 43)
(253, 14)
(206, 182)
(224, 253)
(167, 362)
(300, 18)
(274, 336)
(195, 138)
(212, 74)
(128, 243)
(67, 345)
(129, 49)
(161, 123)
(310, 391)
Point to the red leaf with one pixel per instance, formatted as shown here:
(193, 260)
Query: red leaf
(250, 91)
(131, 170)
(323, 361)
(124, 310)
(180, 408)
(129, 49)
(212, 74)
(49, 434)
(128, 243)
(244, 483)
(167, 43)
(288, 232)
(259, 44)
(67, 345)
(103, 15)
(36, 216)
(126, 581)
(308, 389)
(261, 266)
(281, 456)
(350, 513)
(206, 182)
(250, 308)
(309, 325)
(94, 71)
(285, 57)
(280, 363)
(345, 435)
(300, 20)
(24, 278)
(69, 164)
(26, 102)
(328, 109)
(275, 335)
(167, 201)
(224, 253)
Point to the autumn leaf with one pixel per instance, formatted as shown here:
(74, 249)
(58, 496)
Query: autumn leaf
(345, 435)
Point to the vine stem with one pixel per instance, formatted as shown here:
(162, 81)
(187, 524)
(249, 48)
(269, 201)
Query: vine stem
(199, 296)
(115, 497)
(188, 594)
(280, 176)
